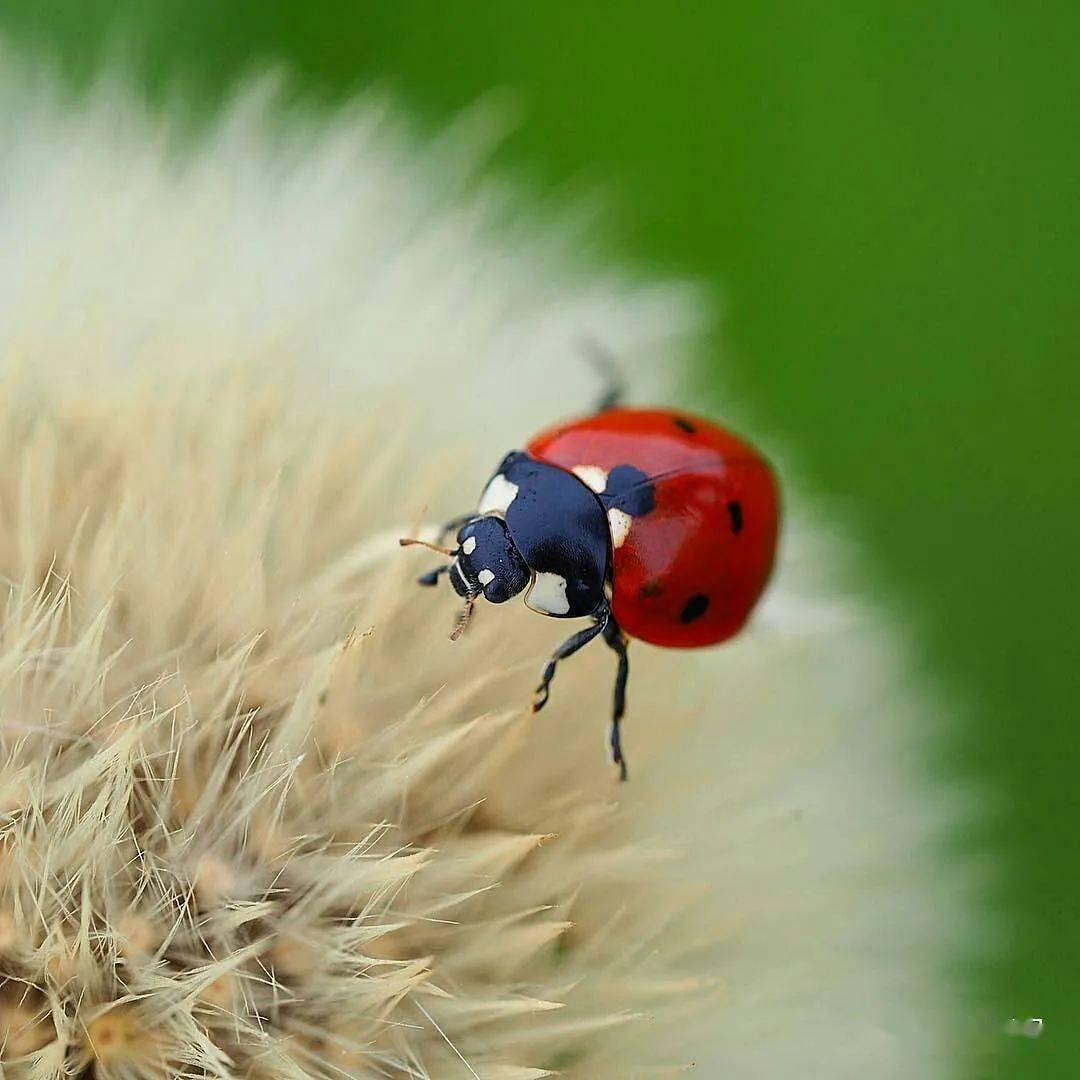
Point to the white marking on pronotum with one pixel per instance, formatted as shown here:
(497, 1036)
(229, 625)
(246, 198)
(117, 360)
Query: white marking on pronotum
(547, 595)
(469, 546)
(461, 574)
(485, 577)
(619, 522)
(592, 475)
(498, 496)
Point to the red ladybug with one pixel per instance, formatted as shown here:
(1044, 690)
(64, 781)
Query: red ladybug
(652, 523)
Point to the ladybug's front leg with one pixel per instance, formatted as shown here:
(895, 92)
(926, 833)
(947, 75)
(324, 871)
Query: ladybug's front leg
(615, 639)
(449, 529)
(453, 525)
(567, 648)
(432, 576)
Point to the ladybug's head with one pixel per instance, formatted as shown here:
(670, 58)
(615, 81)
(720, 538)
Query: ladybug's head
(487, 562)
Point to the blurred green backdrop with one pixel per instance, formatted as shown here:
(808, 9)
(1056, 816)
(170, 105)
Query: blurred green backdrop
(886, 197)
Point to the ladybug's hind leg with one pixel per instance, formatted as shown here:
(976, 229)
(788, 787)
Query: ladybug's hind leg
(615, 639)
(613, 389)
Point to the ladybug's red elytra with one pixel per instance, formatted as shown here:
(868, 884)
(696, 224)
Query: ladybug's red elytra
(652, 523)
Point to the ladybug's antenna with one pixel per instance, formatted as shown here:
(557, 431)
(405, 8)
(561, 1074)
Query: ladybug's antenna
(464, 618)
(408, 541)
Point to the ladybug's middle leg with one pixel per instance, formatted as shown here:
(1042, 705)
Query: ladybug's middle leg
(567, 648)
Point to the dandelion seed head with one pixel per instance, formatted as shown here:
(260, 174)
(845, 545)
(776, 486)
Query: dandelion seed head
(25, 1023)
(258, 817)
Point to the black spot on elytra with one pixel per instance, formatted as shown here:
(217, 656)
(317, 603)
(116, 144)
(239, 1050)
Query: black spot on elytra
(650, 589)
(734, 510)
(629, 490)
(694, 608)
(682, 422)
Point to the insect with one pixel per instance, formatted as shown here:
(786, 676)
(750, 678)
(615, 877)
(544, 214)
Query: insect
(652, 524)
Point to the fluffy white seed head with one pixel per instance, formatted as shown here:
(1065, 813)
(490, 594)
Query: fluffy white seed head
(258, 817)
(255, 836)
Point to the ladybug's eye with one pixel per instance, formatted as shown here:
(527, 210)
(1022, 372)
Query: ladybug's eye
(512, 578)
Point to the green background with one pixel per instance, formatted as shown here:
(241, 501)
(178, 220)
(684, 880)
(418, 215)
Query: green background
(886, 198)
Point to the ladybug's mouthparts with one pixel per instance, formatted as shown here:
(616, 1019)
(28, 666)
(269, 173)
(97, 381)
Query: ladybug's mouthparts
(464, 618)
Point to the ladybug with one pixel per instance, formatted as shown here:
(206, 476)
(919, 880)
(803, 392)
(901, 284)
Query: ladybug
(651, 523)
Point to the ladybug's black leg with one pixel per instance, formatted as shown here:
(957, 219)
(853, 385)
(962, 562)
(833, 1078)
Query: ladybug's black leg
(614, 390)
(567, 648)
(614, 637)
(432, 576)
(452, 526)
